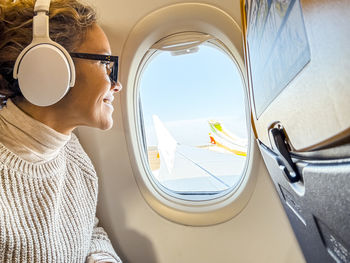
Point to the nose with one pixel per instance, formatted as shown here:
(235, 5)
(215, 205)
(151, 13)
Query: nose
(117, 87)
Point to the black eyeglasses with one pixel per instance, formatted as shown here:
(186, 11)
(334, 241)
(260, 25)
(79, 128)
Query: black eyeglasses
(107, 58)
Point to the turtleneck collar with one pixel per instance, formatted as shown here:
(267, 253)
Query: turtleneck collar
(30, 139)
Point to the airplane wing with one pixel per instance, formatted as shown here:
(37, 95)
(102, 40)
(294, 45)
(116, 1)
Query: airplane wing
(189, 169)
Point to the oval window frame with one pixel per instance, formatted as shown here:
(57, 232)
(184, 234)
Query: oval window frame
(149, 30)
(213, 43)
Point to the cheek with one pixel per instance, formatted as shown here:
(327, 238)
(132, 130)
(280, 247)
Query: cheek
(92, 82)
(91, 86)
(96, 78)
(81, 79)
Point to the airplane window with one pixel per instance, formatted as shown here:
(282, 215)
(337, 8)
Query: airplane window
(194, 121)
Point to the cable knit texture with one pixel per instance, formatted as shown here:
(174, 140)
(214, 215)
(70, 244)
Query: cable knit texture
(48, 205)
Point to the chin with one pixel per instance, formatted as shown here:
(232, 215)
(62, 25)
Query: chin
(106, 128)
(106, 124)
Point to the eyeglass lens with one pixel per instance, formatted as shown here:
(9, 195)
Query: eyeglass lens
(114, 74)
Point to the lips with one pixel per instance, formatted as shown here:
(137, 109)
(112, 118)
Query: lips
(108, 99)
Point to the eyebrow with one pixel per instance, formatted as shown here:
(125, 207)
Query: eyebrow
(102, 52)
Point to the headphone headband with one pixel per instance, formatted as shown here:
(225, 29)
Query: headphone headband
(42, 6)
(41, 27)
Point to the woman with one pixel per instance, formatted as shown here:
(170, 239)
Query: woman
(48, 186)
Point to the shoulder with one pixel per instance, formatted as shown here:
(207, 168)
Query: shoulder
(74, 145)
(77, 156)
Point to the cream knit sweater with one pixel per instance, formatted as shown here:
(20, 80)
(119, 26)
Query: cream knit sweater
(48, 195)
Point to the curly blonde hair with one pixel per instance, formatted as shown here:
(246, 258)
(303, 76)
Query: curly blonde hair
(69, 22)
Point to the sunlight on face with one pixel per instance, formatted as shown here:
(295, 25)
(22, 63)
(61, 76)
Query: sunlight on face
(92, 96)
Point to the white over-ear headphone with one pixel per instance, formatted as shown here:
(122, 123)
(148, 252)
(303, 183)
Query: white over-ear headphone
(44, 69)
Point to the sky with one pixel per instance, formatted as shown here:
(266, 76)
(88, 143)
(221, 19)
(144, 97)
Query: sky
(188, 90)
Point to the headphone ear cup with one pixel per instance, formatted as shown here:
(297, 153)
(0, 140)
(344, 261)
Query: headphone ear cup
(44, 74)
